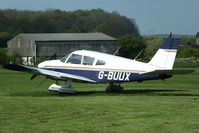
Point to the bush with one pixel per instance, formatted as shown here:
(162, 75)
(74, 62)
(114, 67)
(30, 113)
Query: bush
(4, 58)
(15, 58)
(188, 52)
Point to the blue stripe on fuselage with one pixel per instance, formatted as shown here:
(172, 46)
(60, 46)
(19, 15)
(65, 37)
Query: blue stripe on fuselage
(107, 76)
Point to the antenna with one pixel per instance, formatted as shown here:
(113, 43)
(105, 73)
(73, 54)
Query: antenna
(116, 52)
(170, 34)
(138, 55)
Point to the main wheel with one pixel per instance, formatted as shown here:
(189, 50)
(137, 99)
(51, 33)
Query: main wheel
(114, 88)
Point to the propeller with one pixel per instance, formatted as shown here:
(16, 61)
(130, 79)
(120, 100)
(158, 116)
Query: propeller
(51, 58)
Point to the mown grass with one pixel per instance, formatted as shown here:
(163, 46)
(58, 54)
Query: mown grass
(153, 106)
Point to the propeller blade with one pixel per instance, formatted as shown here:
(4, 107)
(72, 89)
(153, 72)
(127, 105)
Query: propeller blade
(42, 82)
(53, 56)
(33, 76)
(36, 87)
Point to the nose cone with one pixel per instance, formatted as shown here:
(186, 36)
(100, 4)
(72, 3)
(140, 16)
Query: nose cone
(41, 65)
(48, 63)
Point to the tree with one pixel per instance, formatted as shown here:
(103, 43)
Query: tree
(4, 37)
(57, 21)
(131, 46)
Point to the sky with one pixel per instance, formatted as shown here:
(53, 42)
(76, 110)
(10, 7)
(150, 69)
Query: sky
(151, 16)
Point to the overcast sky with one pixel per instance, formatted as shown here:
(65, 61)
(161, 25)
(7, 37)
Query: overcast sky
(152, 16)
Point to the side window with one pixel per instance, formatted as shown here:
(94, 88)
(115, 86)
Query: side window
(88, 60)
(75, 59)
(100, 62)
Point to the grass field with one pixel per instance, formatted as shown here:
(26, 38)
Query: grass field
(170, 106)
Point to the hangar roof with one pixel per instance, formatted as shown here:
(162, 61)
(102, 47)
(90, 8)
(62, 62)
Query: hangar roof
(66, 36)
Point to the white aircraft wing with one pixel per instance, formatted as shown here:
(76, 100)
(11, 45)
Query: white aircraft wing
(169, 72)
(49, 73)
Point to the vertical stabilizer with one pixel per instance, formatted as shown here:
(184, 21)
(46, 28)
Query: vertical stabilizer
(165, 56)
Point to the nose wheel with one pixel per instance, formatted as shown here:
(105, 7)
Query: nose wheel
(65, 89)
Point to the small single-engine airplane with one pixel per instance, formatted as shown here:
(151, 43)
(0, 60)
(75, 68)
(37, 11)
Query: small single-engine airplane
(96, 67)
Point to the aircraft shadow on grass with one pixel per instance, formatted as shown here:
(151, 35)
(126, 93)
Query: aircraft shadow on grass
(145, 92)
(136, 92)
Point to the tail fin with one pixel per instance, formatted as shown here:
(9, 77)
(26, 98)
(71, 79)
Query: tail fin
(165, 56)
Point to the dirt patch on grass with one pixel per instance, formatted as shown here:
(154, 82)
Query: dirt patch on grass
(109, 125)
(163, 125)
(98, 114)
(76, 112)
(40, 120)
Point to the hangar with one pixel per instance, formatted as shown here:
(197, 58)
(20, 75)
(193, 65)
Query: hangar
(33, 46)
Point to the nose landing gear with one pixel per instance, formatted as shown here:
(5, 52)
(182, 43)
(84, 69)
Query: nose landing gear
(66, 88)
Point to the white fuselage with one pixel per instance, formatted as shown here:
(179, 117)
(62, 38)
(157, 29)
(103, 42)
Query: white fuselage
(112, 63)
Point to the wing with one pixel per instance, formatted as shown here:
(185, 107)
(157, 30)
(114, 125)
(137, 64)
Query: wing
(169, 72)
(49, 73)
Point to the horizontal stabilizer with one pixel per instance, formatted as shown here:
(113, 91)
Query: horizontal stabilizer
(169, 72)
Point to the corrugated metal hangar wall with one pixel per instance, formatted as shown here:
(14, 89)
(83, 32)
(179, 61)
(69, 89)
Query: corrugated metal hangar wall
(32, 46)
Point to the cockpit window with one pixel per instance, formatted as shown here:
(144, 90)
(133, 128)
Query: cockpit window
(75, 59)
(100, 62)
(64, 59)
(88, 60)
